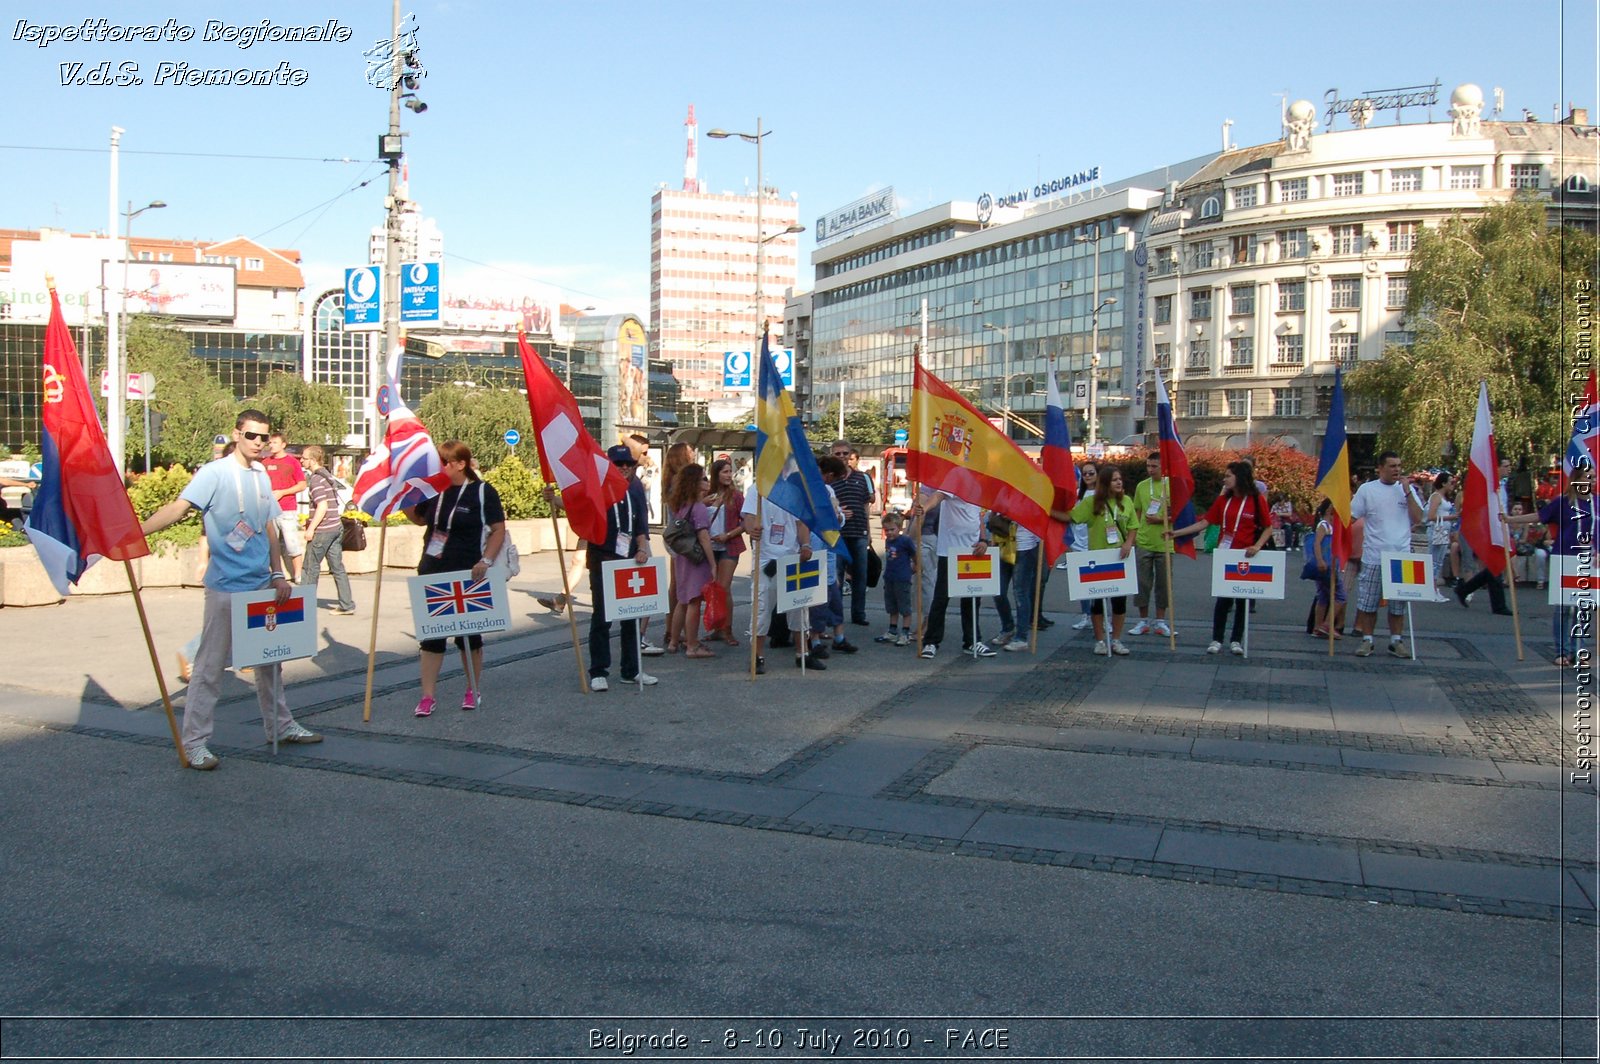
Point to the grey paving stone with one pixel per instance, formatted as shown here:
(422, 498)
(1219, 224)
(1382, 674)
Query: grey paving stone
(1290, 715)
(864, 766)
(1453, 766)
(879, 814)
(1373, 720)
(580, 779)
(1244, 853)
(397, 757)
(1235, 712)
(1581, 889)
(1469, 878)
(1254, 750)
(724, 796)
(932, 714)
(1136, 841)
(1192, 696)
(1522, 772)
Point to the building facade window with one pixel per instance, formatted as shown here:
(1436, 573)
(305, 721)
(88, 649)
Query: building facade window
(1344, 293)
(1403, 235)
(1291, 189)
(1205, 255)
(1291, 295)
(1162, 310)
(1465, 177)
(1346, 239)
(1198, 403)
(1199, 360)
(1244, 196)
(1350, 184)
(1166, 261)
(1396, 290)
(254, 264)
(1286, 402)
(1291, 350)
(1408, 179)
(1526, 175)
(1292, 244)
(1342, 349)
(1163, 356)
(1242, 352)
(1200, 304)
(1399, 338)
(1242, 299)
(1238, 402)
(1243, 249)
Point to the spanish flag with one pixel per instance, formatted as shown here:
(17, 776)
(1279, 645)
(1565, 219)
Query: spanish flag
(974, 567)
(954, 448)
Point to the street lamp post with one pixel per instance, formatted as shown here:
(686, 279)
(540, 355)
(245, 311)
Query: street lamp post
(119, 381)
(1094, 367)
(1005, 402)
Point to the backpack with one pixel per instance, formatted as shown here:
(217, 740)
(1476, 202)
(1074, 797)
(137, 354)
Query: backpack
(682, 538)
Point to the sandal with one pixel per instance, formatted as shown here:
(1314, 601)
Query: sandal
(1562, 661)
(727, 637)
(699, 652)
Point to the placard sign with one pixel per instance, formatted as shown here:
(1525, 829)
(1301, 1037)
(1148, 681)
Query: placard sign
(1574, 581)
(802, 583)
(634, 590)
(1408, 577)
(448, 604)
(267, 631)
(973, 575)
(1234, 574)
(1093, 574)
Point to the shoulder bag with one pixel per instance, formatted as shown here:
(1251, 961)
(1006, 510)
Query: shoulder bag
(681, 537)
(509, 561)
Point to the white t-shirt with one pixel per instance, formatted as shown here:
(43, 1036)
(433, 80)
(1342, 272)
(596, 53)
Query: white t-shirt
(1025, 540)
(1388, 517)
(780, 531)
(960, 525)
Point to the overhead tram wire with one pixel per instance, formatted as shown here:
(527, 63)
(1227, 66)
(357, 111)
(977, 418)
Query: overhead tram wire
(524, 276)
(187, 154)
(325, 207)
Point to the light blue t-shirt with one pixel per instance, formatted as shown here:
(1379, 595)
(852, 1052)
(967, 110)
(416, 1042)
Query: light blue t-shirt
(226, 493)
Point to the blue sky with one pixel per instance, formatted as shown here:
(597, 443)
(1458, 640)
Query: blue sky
(549, 125)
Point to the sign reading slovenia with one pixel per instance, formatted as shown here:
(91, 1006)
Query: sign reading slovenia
(363, 299)
(1093, 574)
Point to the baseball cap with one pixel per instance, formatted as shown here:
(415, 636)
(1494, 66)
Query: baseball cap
(621, 455)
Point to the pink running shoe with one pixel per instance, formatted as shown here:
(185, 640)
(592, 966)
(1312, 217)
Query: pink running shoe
(425, 707)
(471, 700)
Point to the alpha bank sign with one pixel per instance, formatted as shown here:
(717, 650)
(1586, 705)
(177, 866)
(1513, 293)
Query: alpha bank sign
(1042, 191)
(864, 213)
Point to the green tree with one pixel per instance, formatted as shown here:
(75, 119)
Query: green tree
(304, 411)
(1490, 296)
(478, 415)
(520, 489)
(867, 424)
(196, 404)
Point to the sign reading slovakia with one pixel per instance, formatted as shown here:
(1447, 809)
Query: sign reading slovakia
(864, 213)
(419, 293)
(363, 299)
(1234, 574)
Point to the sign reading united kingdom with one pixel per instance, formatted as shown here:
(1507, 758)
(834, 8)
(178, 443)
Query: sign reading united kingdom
(1234, 574)
(1574, 580)
(363, 299)
(448, 604)
(973, 575)
(266, 630)
(633, 590)
(1408, 577)
(1093, 574)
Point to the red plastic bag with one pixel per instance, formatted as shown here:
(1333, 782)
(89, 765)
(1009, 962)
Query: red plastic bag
(716, 612)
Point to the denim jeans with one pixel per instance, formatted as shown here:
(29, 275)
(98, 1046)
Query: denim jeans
(857, 545)
(1022, 577)
(328, 545)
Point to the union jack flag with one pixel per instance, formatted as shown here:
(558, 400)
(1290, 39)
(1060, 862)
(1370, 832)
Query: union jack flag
(405, 469)
(455, 597)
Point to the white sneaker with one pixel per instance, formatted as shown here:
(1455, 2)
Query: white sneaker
(929, 650)
(1082, 623)
(1236, 650)
(1101, 649)
(1118, 649)
(644, 679)
(1017, 645)
(1161, 628)
(1214, 647)
(1062, 565)
(599, 683)
(649, 649)
(1141, 628)
(902, 640)
(200, 757)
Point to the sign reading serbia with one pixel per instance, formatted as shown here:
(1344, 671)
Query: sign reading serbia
(973, 575)
(1236, 575)
(1093, 574)
(266, 630)
(634, 590)
(447, 604)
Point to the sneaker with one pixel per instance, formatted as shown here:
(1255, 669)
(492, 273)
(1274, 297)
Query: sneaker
(1118, 649)
(299, 733)
(1016, 645)
(1236, 650)
(1045, 622)
(902, 640)
(1161, 628)
(644, 679)
(1101, 649)
(424, 707)
(1141, 628)
(1365, 649)
(929, 650)
(471, 700)
(810, 661)
(201, 758)
(887, 637)
(1002, 639)
(1397, 649)
(553, 603)
(1213, 647)
(1081, 623)
(761, 666)
(340, 611)
(185, 667)
(649, 650)
(1062, 565)
(820, 650)
(599, 683)
(980, 650)
(845, 647)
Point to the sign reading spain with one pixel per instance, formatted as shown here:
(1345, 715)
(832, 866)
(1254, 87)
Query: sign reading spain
(973, 575)
(266, 630)
(1093, 574)
(1574, 581)
(449, 604)
(801, 583)
(1408, 577)
(1234, 574)
(634, 590)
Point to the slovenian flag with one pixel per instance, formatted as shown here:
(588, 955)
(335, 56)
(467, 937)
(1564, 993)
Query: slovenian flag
(1102, 572)
(1411, 572)
(974, 567)
(1249, 572)
(798, 576)
(269, 615)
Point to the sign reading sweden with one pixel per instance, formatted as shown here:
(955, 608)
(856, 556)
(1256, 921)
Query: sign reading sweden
(419, 293)
(363, 299)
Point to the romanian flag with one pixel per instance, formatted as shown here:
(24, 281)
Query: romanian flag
(954, 448)
(1407, 572)
(269, 615)
(1250, 572)
(798, 576)
(1102, 572)
(974, 567)
(785, 469)
(1333, 470)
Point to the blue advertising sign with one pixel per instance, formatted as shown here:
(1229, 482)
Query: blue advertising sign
(419, 293)
(363, 299)
(513, 437)
(783, 362)
(736, 369)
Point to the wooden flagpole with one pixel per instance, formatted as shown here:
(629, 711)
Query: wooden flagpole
(1038, 592)
(372, 642)
(916, 508)
(1333, 574)
(755, 581)
(1511, 582)
(155, 663)
(566, 592)
(1172, 545)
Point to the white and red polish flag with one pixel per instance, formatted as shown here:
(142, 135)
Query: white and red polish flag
(1480, 500)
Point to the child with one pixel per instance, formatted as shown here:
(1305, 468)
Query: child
(899, 568)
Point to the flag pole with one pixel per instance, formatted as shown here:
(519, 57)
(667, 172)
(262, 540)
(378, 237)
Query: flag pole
(372, 642)
(1511, 582)
(1170, 544)
(566, 593)
(1333, 574)
(155, 663)
(916, 507)
(1038, 591)
(755, 582)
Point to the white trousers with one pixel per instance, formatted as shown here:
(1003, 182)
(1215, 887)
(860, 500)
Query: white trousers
(216, 651)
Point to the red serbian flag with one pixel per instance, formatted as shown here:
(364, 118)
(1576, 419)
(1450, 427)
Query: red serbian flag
(955, 449)
(568, 456)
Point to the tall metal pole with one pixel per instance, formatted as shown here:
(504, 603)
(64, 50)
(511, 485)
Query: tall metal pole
(1094, 349)
(761, 244)
(378, 359)
(116, 404)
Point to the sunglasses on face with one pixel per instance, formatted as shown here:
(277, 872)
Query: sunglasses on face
(259, 437)
(624, 465)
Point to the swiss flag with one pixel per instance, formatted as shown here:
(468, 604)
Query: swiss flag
(568, 456)
(634, 582)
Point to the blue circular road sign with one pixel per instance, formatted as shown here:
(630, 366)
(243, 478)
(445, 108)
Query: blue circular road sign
(513, 437)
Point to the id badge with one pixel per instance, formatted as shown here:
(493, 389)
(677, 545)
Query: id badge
(1155, 508)
(1226, 542)
(624, 546)
(436, 542)
(1113, 535)
(775, 535)
(240, 536)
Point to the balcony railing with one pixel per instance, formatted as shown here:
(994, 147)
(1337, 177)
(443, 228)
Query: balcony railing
(1238, 369)
(1289, 366)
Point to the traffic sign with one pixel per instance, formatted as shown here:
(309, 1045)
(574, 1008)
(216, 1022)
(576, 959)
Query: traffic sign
(736, 369)
(419, 293)
(513, 437)
(363, 299)
(901, 437)
(1080, 395)
(140, 386)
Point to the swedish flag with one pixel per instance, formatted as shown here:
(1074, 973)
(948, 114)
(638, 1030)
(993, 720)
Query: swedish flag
(803, 575)
(786, 470)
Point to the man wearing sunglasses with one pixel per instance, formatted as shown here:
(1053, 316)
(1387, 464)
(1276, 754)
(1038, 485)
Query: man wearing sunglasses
(237, 511)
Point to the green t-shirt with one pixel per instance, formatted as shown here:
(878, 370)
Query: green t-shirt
(1150, 536)
(1118, 516)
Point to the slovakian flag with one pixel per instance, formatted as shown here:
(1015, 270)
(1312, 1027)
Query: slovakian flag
(1249, 571)
(452, 598)
(81, 511)
(568, 456)
(1402, 571)
(800, 576)
(1175, 467)
(974, 567)
(405, 469)
(269, 615)
(1583, 449)
(1056, 454)
(1101, 572)
(955, 449)
(631, 582)
(1480, 496)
